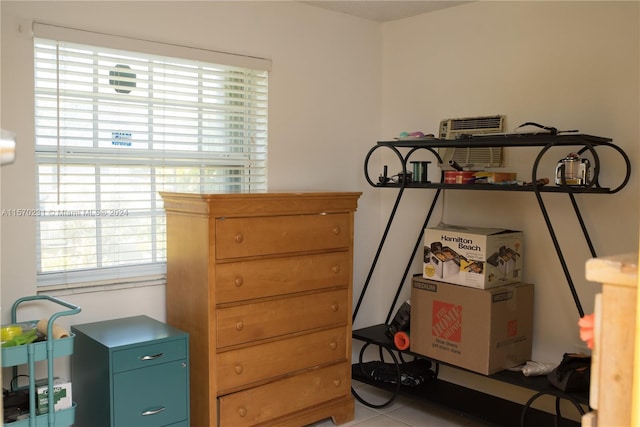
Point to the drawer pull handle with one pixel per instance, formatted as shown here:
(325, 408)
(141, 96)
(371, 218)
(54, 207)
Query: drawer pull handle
(239, 369)
(336, 229)
(153, 411)
(152, 357)
(239, 325)
(335, 307)
(335, 269)
(242, 412)
(337, 382)
(239, 282)
(239, 238)
(333, 345)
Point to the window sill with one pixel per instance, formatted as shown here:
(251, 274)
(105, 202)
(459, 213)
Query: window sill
(86, 288)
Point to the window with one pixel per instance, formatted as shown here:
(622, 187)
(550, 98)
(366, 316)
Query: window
(114, 127)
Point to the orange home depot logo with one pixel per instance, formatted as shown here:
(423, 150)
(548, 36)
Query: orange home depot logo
(446, 321)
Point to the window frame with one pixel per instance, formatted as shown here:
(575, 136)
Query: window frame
(154, 271)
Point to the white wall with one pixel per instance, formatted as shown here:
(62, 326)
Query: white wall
(341, 83)
(324, 104)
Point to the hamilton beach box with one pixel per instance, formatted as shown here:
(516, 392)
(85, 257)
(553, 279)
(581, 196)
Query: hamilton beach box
(482, 330)
(471, 256)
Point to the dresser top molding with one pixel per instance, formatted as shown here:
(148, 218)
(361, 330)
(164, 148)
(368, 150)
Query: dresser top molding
(620, 270)
(259, 204)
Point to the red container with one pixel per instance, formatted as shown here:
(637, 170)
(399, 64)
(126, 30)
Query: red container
(459, 177)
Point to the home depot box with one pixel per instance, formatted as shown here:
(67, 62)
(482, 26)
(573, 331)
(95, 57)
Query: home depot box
(483, 330)
(472, 256)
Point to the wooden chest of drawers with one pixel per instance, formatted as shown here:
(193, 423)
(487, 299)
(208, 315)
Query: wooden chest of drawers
(263, 284)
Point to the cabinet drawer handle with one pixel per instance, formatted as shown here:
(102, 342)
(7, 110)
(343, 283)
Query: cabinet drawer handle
(238, 369)
(335, 307)
(239, 281)
(239, 325)
(153, 411)
(239, 238)
(335, 269)
(336, 229)
(337, 382)
(242, 412)
(333, 345)
(152, 357)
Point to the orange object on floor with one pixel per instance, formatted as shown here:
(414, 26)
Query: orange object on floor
(401, 340)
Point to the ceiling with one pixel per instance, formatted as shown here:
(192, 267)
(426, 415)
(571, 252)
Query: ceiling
(384, 10)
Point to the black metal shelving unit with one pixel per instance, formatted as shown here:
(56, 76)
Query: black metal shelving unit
(470, 402)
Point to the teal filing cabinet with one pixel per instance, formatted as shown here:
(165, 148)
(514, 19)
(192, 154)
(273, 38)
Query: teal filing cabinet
(130, 372)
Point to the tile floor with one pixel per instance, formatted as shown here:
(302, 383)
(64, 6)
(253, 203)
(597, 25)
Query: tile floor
(402, 412)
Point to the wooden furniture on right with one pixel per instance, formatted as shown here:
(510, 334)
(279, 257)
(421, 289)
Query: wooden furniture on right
(263, 284)
(613, 356)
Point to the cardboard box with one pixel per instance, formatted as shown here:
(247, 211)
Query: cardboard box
(61, 395)
(471, 256)
(495, 177)
(482, 330)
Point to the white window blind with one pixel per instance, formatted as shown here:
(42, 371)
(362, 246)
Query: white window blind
(114, 128)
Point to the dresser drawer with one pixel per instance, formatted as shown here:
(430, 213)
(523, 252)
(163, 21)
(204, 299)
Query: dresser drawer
(248, 365)
(149, 355)
(244, 280)
(245, 237)
(258, 405)
(249, 322)
(153, 396)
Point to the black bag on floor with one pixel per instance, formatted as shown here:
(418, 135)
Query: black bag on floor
(412, 374)
(573, 373)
